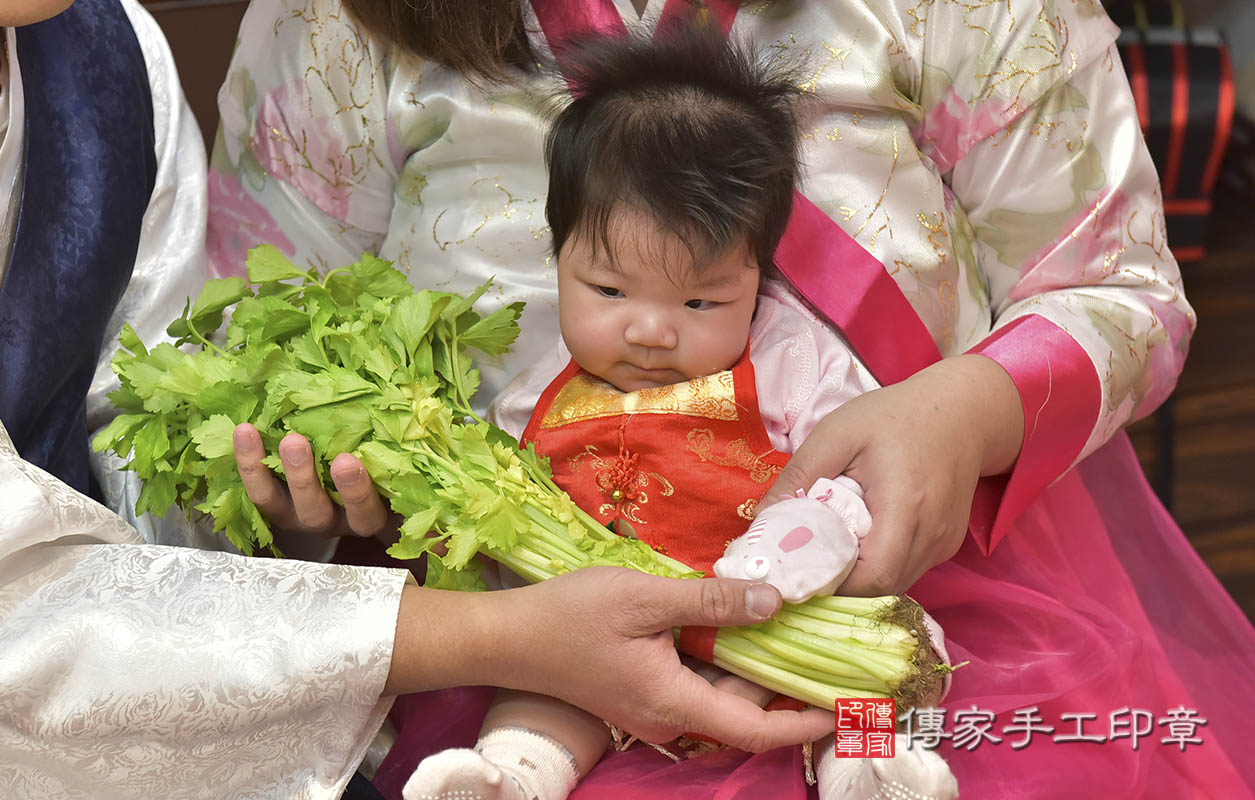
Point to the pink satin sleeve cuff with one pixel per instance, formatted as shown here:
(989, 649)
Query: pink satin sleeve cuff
(1059, 389)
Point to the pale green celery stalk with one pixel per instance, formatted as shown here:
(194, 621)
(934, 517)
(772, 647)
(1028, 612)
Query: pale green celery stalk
(558, 532)
(525, 563)
(886, 637)
(742, 645)
(735, 653)
(746, 659)
(845, 670)
(864, 615)
(856, 606)
(541, 547)
(871, 659)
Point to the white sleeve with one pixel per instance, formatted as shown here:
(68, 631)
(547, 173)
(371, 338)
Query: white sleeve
(512, 409)
(803, 368)
(170, 266)
(133, 670)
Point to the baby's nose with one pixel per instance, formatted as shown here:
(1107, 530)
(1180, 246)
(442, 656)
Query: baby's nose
(649, 329)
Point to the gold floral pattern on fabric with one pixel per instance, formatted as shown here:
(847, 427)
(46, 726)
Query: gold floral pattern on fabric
(621, 481)
(585, 397)
(737, 454)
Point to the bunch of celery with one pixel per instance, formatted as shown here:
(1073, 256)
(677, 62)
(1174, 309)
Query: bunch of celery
(358, 362)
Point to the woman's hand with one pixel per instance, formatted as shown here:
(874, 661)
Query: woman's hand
(598, 638)
(917, 448)
(301, 505)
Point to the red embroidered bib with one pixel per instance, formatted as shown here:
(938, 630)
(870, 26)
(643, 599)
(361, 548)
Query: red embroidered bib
(679, 467)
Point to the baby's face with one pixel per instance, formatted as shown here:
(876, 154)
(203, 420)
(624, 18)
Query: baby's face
(639, 317)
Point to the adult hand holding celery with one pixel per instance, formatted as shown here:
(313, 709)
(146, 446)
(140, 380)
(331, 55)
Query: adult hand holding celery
(358, 362)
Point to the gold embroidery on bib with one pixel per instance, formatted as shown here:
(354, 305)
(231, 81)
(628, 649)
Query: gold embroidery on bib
(737, 454)
(585, 397)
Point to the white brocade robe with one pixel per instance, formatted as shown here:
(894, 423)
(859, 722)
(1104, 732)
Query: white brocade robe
(130, 670)
(135, 670)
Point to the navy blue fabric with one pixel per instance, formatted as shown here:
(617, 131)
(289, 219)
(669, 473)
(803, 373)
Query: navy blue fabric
(90, 166)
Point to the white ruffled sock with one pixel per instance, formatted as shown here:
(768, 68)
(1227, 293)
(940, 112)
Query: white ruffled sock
(507, 764)
(912, 774)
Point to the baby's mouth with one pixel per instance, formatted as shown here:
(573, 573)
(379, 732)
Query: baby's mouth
(660, 376)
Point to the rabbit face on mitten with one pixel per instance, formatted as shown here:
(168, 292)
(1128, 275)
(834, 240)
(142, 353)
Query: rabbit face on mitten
(803, 546)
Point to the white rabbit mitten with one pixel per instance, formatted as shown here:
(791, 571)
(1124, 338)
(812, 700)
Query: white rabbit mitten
(803, 546)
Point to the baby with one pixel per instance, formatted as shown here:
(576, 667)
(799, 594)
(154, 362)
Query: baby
(685, 375)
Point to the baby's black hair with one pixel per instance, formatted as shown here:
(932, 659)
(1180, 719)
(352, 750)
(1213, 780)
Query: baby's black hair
(696, 131)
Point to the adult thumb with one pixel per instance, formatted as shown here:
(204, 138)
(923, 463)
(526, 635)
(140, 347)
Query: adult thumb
(722, 602)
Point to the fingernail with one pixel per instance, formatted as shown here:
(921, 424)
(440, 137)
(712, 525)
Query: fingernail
(296, 457)
(761, 600)
(350, 478)
(240, 439)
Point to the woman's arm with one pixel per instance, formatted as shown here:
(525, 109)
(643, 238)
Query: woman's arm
(1036, 134)
(1090, 319)
(569, 636)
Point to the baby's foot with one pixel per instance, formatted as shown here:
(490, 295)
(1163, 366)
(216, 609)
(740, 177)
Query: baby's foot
(509, 763)
(460, 775)
(912, 774)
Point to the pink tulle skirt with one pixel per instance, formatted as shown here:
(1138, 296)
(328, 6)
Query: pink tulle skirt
(1094, 603)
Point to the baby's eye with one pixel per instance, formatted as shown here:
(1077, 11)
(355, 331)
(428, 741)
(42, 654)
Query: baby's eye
(609, 291)
(701, 305)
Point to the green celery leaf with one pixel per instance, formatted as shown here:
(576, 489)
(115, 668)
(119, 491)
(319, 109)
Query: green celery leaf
(130, 340)
(206, 313)
(227, 507)
(413, 316)
(267, 264)
(500, 531)
(412, 494)
(213, 436)
(460, 305)
(158, 494)
(305, 350)
(441, 576)
(265, 319)
(189, 377)
(380, 278)
(283, 324)
(463, 544)
(496, 332)
(119, 434)
(229, 399)
(415, 539)
(179, 328)
(383, 462)
(380, 363)
(333, 429)
(150, 446)
(125, 399)
(344, 287)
